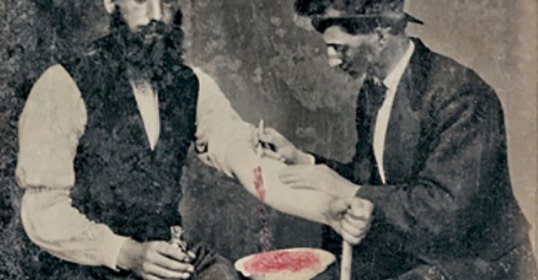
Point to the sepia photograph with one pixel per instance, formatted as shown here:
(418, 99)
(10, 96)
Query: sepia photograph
(268, 139)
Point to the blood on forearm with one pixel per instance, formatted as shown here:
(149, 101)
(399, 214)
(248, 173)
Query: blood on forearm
(259, 176)
(258, 183)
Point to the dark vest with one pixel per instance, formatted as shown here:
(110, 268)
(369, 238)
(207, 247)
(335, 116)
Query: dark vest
(120, 181)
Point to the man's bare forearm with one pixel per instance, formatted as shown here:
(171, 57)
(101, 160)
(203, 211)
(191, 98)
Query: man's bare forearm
(259, 176)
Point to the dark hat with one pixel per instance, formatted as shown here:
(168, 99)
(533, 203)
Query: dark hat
(367, 9)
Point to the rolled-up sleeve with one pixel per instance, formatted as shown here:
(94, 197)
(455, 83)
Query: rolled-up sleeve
(50, 126)
(218, 126)
(227, 143)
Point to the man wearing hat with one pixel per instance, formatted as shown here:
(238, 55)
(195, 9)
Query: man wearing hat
(431, 155)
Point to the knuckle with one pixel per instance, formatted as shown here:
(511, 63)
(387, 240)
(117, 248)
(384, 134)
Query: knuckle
(356, 216)
(351, 239)
(348, 238)
(180, 256)
(179, 266)
(366, 204)
(146, 255)
(145, 267)
(167, 250)
(168, 274)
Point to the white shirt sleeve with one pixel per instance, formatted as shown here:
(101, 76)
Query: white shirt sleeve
(218, 125)
(53, 119)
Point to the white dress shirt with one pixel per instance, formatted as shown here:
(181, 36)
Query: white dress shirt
(53, 120)
(147, 101)
(383, 115)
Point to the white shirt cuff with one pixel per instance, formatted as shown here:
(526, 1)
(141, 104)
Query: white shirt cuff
(111, 250)
(311, 159)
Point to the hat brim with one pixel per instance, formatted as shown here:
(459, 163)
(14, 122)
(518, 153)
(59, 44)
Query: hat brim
(413, 19)
(396, 16)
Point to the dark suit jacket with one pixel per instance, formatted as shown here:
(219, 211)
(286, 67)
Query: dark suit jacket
(448, 200)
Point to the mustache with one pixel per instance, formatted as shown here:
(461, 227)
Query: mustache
(118, 22)
(171, 34)
(154, 28)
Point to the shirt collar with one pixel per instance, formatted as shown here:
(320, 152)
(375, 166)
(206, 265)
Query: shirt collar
(393, 79)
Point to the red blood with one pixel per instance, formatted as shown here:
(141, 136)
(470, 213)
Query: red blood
(282, 261)
(258, 183)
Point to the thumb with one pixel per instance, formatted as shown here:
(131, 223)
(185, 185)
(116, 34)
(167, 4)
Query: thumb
(361, 208)
(274, 155)
(271, 135)
(339, 207)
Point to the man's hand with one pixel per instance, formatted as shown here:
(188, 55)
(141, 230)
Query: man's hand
(318, 177)
(156, 260)
(351, 218)
(276, 146)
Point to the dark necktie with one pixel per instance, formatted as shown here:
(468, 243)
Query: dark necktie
(369, 101)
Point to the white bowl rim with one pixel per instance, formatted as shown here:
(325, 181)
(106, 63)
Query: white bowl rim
(324, 255)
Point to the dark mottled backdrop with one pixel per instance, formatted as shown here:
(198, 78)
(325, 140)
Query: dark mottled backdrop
(272, 67)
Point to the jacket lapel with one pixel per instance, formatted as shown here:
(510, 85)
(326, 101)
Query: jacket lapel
(404, 129)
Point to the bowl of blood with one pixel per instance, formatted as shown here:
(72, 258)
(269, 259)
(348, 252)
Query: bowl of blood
(285, 264)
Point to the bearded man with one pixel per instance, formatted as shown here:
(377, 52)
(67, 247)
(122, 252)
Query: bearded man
(102, 140)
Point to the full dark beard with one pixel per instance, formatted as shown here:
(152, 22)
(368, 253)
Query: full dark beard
(153, 50)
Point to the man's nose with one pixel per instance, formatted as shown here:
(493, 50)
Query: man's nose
(333, 56)
(155, 10)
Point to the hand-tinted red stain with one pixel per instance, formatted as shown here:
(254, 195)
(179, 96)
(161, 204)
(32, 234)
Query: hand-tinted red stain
(282, 261)
(258, 183)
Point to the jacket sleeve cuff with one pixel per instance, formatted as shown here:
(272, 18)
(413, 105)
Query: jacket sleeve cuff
(111, 250)
(312, 159)
(317, 159)
(375, 194)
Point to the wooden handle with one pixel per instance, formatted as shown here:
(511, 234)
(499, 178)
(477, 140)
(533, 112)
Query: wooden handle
(345, 266)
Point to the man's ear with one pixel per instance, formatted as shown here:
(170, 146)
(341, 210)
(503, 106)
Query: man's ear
(109, 5)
